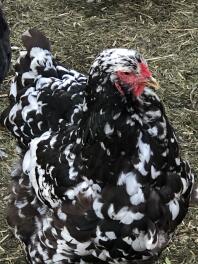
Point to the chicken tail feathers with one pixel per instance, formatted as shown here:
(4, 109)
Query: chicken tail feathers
(34, 66)
(33, 38)
(36, 61)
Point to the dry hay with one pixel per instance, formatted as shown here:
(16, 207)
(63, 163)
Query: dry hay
(166, 32)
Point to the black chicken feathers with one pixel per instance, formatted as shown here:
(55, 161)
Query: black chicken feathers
(5, 49)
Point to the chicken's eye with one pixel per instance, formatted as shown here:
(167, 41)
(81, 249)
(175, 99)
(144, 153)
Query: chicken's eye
(126, 73)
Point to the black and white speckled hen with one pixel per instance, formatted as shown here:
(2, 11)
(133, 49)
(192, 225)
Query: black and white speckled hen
(101, 179)
(5, 49)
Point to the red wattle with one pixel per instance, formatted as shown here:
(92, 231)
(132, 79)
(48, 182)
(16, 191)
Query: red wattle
(145, 71)
(138, 90)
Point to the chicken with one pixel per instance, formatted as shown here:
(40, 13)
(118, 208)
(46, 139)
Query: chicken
(5, 49)
(100, 178)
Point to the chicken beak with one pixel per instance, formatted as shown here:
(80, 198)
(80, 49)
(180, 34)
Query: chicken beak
(152, 82)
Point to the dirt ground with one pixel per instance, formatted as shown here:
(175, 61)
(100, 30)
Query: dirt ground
(166, 32)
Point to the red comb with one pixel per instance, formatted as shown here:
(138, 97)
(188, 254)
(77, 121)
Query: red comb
(144, 70)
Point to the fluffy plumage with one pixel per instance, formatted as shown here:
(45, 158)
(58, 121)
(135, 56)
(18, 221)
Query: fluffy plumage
(5, 49)
(33, 110)
(100, 179)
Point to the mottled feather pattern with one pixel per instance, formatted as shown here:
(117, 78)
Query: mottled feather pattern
(39, 102)
(100, 179)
